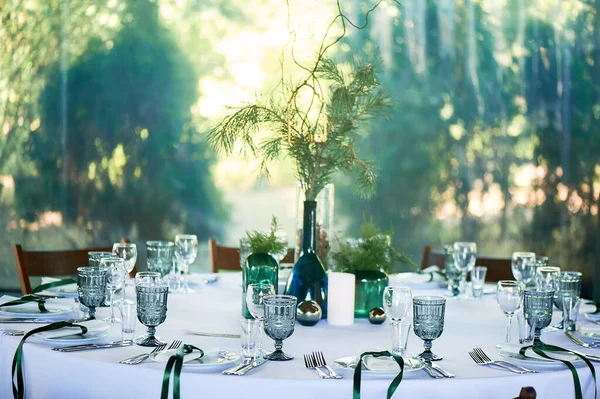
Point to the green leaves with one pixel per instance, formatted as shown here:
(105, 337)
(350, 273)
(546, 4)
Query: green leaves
(266, 243)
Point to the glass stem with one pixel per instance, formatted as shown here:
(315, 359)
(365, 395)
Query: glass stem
(278, 345)
(111, 296)
(260, 334)
(508, 327)
(462, 288)
(151, 332)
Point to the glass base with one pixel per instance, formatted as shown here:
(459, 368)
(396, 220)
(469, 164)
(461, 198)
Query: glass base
(147, 340)
(278, 355)
(429, 356)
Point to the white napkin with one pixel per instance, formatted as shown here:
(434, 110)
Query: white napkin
(514, 348)
(63, 288)
(428, 276)
(50, 304)
(93, 326)
(164, 356)
(381, 364)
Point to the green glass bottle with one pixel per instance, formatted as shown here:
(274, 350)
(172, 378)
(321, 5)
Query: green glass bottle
(258, 268)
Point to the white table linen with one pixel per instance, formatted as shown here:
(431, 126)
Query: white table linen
(216, 308)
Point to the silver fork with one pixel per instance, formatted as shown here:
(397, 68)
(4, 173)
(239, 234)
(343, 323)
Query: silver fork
(485, 357)
(140, 358)
(310, 363)
(321, 362)
(482, 362)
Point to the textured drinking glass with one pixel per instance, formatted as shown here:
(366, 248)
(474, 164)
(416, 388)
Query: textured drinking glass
(280, 317)
(568, 285)
(186, 250)
(399, 332)
(255, 295)
(478, 280)
(428, 322)
(453, 275)
(570, 307)
(91, 287)
(464, 254)
(160, 255)
(115, 268)
(546, 277)
(523, 267)
(250, 337)
(509, 296)
(396, 302)
(537, 309)
(152, 293)
(128, 319)
(94, 257)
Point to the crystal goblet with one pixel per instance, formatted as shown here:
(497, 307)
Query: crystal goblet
(537, 309)
(568, 284)
(91, 287)
(523, 267)
(509, 297)
(114, 280)
(280, 318)
(152, 294)
(186, 250)
(546, 277)
(464, 255)
(428, 322)
(94, 257)
(160, 255)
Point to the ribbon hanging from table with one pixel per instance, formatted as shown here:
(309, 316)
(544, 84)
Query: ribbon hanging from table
(540, 349)
(53, 284)
(17, 369)
(395, 382)
(26, 299)
(175, 363)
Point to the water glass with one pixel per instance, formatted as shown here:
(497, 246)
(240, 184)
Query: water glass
(399, 332)
(526, 331)
(94, 257)
(509, 296)
(91, 287)
(280, 318)
(523, 267)
(478, 280)
(568, 285)
(546, 277)
(537, 309)
(570, 307)
(114, 280)
(250, 337)
(186, 250)
(428, 320)
(160, 255)
(255, 295)
(152, 294)
(453, 275)
(128, 319)
(396, 302)
(464, 254)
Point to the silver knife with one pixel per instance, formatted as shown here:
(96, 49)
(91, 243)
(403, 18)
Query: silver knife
(240, 366)
(91, 346)
(432, 373)
(218, 335)
(580, 342)
(443, 372)
(256, 363)
(18, 320)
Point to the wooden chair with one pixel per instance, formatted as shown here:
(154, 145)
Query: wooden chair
(228, 258)
(498, 268)
(51, 263)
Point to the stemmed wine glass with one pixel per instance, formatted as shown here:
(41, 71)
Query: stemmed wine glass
(127, 252)
(186, 249)
(537, 309)
(428, 321)
(509, 296)
(152, 294)
(91, 287)
(546, 277)
(396, 302)
(280, 318)
(523, 266)
(255, 295)
(114, 280)
(464, 255)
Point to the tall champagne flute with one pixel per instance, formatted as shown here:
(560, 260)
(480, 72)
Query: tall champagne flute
(114, 280)
(127, 252)
(397, 302)
(510, 297)
(186, 250)
(465, 255)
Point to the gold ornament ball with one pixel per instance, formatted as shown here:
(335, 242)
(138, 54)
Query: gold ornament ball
(377, 316)
(308, 313)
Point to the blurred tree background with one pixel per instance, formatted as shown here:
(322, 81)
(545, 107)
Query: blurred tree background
(494, 137)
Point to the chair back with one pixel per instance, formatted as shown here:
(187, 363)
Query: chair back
(51, 263)
(228, 258)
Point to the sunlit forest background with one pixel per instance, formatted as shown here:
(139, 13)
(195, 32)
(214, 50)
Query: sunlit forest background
(494, 136)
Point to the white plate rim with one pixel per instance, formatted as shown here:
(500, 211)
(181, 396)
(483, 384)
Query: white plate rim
(375, 372)
(200, 365)
(38, 315)
(536, 362)
(64, 340)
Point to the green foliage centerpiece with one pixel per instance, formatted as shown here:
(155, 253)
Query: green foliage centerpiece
(316, 123)
(370, 258)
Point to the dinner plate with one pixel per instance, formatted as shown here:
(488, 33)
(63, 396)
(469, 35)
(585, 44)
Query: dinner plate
(21, 312)
(76, 339)
(531, 361)
(349, 364)
(218, 359)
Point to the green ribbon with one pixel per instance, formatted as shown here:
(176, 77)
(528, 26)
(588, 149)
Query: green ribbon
(17, 369)
(175, 363)
(53, 284)
(540, 348)
(357, 371)
(27, 299)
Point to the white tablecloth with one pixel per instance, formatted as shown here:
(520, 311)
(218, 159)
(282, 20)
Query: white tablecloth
(216, 308)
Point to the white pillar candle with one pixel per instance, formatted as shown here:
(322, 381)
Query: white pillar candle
(340, 303)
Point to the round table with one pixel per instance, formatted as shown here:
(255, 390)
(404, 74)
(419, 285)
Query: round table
(217, 308)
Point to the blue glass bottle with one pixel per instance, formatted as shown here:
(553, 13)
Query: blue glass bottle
(308, 280)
